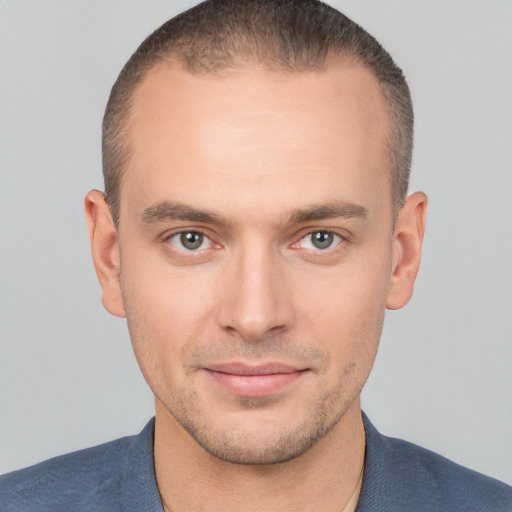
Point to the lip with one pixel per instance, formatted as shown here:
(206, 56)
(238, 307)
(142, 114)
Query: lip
(253, 380)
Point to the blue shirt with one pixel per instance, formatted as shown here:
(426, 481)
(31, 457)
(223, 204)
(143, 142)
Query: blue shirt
(120, 476)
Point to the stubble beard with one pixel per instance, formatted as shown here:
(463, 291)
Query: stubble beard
(236, 445)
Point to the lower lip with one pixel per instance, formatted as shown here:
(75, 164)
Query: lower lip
(254, 385)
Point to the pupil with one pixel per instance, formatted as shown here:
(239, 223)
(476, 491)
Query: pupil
(191, 240)
(322, 239)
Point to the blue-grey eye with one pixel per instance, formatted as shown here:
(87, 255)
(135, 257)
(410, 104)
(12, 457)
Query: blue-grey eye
(320, 240)
(190, 241)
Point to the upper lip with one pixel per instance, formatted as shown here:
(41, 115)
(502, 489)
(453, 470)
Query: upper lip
(253, 369)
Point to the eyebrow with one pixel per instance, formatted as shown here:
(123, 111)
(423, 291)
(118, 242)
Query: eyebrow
(328, 211)
(170, 210)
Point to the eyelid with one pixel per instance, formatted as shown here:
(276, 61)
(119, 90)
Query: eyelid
(182, 230)
(344, 237)
(311, 231)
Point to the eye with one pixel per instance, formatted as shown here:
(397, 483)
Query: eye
(320, 240)
(190, 241)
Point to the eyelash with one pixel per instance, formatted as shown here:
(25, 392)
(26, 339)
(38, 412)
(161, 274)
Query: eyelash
(338, 239)
(317, 250)
(182, 232)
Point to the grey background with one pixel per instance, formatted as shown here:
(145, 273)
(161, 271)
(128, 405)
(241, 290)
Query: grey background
(68, 378)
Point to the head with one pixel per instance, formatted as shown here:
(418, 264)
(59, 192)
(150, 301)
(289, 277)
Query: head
(256, 227)
(289, 37)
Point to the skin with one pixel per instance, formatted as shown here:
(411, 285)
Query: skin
(256, 162)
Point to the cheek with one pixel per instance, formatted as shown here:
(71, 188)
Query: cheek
(160, 295)
(346, 309)
(165, 312)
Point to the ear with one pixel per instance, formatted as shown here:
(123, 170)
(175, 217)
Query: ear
(407, 243)
(105, 251)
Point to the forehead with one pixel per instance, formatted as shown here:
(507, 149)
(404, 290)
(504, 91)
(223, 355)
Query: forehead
(254, 132)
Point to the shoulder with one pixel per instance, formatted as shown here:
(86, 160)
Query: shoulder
(63, 482)
(88, 480)
(442, 481)
(404, 476)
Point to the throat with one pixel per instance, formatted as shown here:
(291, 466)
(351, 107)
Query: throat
(327, 477)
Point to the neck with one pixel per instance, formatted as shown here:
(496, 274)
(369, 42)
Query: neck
(327, 477)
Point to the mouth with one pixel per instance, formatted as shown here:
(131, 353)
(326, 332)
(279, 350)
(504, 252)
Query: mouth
(253, 380)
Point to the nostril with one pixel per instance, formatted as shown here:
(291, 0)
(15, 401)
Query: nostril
(254, 301)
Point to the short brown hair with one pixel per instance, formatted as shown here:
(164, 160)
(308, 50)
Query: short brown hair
(286, 35)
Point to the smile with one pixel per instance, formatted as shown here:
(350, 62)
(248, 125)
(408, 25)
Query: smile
(254, 381)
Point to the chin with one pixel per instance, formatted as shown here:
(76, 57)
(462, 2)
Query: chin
(267, 449)
(262, 439)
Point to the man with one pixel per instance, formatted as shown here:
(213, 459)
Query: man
(254, 229)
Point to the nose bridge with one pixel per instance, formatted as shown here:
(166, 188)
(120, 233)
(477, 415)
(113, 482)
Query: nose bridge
(256, 299)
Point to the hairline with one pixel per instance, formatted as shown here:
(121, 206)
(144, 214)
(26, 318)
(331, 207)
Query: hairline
(122, 123)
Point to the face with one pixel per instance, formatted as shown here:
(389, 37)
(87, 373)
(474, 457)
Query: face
(255, 245)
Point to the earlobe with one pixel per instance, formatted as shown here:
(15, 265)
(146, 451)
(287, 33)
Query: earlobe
(407, 244)
(105, 251)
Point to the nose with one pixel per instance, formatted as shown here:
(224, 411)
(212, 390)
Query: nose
(256, 299)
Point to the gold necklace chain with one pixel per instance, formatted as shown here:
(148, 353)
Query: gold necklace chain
(352, 502)
(354, 498)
